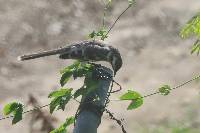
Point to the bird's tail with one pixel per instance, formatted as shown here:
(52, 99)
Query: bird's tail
(42, 54)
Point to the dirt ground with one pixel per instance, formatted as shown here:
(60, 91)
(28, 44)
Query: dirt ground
(147, 37)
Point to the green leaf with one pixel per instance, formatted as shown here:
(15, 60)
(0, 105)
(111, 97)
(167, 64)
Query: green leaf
(16, 109)
(65, 77)
(59, 103)
(18, 114)
(61, 98)
(196, 47)
(69, 121)
(130, 95)
(131, 2)
(192, 27)
(62, 128)
(92, 34)
(135, 97)
(70, 67)
(135, 104)
(60, 92)
(82, 70)
(63, 102)
(102, 33)
(77, 70)
(164, 90)
(54, 103)
(9, 108)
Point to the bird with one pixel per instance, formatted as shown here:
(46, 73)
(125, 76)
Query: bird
(90, 51)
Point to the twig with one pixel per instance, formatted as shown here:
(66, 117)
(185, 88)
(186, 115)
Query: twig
(119, 122)
(111, 27)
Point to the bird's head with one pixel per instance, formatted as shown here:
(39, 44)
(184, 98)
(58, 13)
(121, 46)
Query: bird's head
(115, 59)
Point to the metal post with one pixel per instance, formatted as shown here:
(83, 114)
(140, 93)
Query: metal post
(88, 121)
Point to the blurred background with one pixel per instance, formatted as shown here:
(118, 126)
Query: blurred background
(147, 36)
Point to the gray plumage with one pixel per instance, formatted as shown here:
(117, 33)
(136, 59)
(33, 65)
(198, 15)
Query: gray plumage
(85, 51)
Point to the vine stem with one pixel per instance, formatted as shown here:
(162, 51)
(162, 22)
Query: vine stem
(111, 27)
(31, 110)
(195, 78)
(157, 92)
(176, 87)
(148, 95)
(119, 122)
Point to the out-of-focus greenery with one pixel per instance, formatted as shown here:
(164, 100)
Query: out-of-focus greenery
(135, 98)
(192, 28)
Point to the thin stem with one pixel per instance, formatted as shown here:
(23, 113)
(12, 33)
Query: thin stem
(34, 109)
(111, 27)
(75, 99)
(104, 16)
(31, 110)
(119, 122)
(157, 92)
(189, 81)
(176, 87)
(120, 87)
(148, 95)
(104, 13)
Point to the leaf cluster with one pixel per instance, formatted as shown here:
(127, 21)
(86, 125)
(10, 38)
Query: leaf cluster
(192, 28)
(77, 69)
(164, 90)
(101, 33)
(14, 108)
(60, 99)
(62, 96)
(131, 2)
